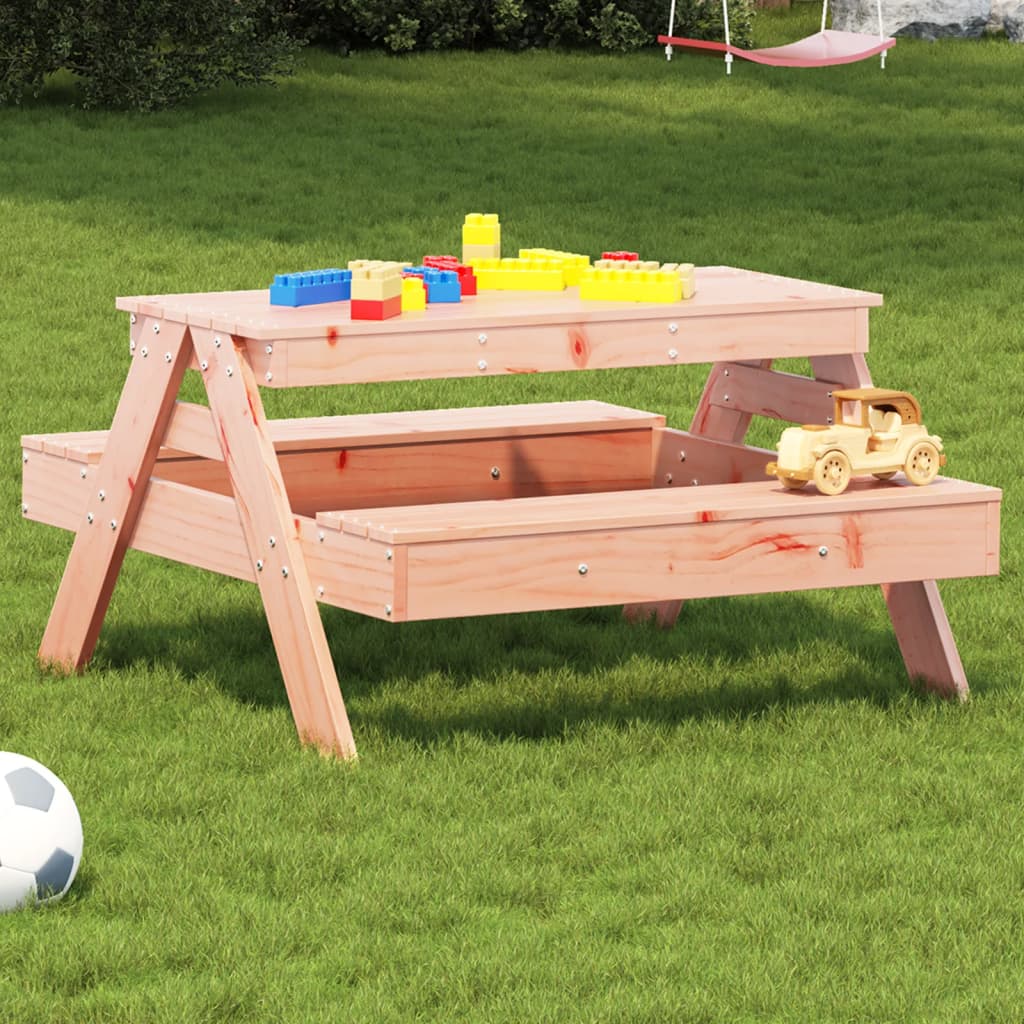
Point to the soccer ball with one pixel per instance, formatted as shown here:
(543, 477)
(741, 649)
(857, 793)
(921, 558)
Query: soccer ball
(40, 833)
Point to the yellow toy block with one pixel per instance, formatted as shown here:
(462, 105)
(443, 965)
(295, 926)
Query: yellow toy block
(573, 263)
(519, 275)
(376, 280)
(414, 293)
(621, 285)
(687, 275)
(481, 229)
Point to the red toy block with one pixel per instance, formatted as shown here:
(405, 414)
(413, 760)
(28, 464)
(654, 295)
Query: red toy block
(373, 309)
(621, 255)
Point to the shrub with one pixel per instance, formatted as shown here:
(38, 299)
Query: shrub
(622, 25)
(143, 54)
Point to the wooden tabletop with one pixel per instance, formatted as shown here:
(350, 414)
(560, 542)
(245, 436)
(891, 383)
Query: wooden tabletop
(720, 290)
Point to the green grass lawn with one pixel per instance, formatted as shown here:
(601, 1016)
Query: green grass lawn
(555, 817)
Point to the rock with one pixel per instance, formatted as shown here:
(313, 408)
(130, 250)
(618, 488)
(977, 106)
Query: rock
(1008, 15)
(920, 19)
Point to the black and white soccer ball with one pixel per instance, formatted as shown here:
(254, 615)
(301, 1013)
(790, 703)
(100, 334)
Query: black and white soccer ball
(40, 833)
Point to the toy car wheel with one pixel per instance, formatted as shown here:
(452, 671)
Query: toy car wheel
(922, 463)
(832, 472)
(884, 476)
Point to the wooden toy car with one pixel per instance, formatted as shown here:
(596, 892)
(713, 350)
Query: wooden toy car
(873, 431)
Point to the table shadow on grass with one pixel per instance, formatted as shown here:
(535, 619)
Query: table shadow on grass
(538, 675)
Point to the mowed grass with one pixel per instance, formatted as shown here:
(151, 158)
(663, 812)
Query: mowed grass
(555, 817)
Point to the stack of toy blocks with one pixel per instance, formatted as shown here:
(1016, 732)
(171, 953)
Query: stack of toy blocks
(311, 287)
(441, 285)
(376, 289)
(573, 263)
(637, 280)
(481, 237)
(519, 275)
(467, 279)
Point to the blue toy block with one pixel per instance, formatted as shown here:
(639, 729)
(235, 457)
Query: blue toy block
(441, 285)
(311, 287)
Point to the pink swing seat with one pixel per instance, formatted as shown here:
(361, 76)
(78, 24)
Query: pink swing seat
(821, 50)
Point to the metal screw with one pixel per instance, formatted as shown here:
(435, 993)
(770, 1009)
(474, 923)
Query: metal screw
(695, 482)
(24, 456)
(284, 571)
(113, 524)
(103, 495)
(133, 318)
(672, 353)
(823, 551)
(668, 478)
(270, 376)
(167, 357)
(89, 517)
(272, 541)
(203, 365)
(319, 591)
(673, 328)
(24, 508)
(725, 398)
(259, 565)
(269, 350)
(829, 394)
(145, 351)
(682, 455)
(320, 536)
(828, 419)
(216, 341)
(388, 554)
(482, 365)
(495, 473)
(81, 473)
(584, 569)
(726, 373)
(387, 609)
(156, 328)
(482, 338)
(131, 345)
(229, 371)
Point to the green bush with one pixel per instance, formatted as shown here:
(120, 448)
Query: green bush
(142, 54)
(403, 25)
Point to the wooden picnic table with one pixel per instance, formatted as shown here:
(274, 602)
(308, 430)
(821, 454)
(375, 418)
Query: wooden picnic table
(414, 515)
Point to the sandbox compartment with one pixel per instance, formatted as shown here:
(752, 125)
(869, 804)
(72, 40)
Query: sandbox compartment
(522, 508)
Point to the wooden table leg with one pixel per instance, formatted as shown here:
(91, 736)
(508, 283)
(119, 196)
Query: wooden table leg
(915, 607)
(721, 424)
(159, 360)
(271, 534)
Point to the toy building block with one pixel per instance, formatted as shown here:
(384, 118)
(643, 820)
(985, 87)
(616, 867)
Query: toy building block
(441, 285)
(414, 293)
(621, 254)
(467, 279)
(610, 264)
(521, 275)
(376, 280)
(573, 263)
(311, 287)
(377, 309)
(619, 285)
(687, 275)
(481, 237)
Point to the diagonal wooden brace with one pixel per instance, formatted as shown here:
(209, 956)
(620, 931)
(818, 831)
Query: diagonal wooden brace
(160, 356)
(272, 537)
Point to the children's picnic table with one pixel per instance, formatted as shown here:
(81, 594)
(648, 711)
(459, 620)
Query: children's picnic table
(417, 515)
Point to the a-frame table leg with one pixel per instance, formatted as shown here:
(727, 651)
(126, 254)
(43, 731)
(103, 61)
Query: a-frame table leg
(915, 607)
(720, 424)
(159, 360)
(272, 536)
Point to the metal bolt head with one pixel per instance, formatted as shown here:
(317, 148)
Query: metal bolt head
(673, 328)
(203, 365)
(145, 351)
(269, 377)
(725, 398)
(156, 328)
(103, 495)
(387, 609)
(320, 536)
(668, 478)
(81, 472)
(682, 455)
(229, 371)
(24, 456)
(726, 373)
(823, 551)
(132, 318)
(673, 353)
(284, 571)
(482, 338)
(583, 569)
(131, 345)
(113, 524)
(89, 517)
(24, 508)
(272, 541)
(495, 473)
(269, 350)
(319, 591)
(482, 365)
(259, 565)
(167, 357)
(389, 554)
(216, 341)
